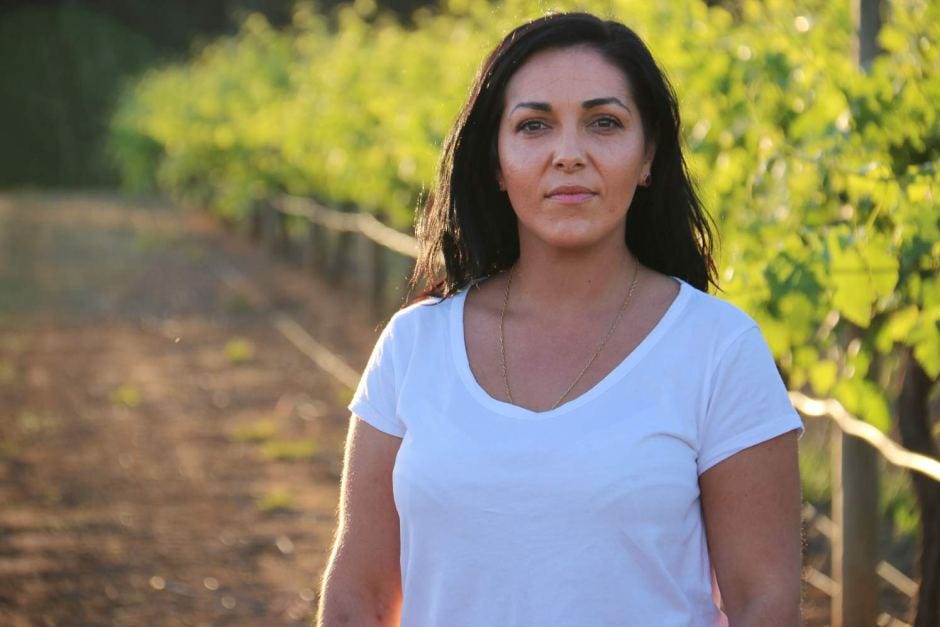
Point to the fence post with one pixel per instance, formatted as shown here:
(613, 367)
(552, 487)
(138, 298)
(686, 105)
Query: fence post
(339, 265)
(370, 273)
(855, 547)
(362, 262)
(282, 242)
(379, 277)
(271, 228)
(855, 484)
(267, 218)
(256, 218)
(867, 15)
(915, 428)
(310, 250)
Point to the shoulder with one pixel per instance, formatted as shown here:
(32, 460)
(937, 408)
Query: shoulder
(715, 310)
(428, 316)
(714, 319)
(417, 310)
(412, 329)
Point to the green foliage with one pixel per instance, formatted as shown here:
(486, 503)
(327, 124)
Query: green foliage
(815, 472)
(898, 504)
(278, 500)
(257, 431)
(239, 350)
(60, 70)
(29, 423)
(290, 450)
(821, 177)
(237, 303)
(127, 395)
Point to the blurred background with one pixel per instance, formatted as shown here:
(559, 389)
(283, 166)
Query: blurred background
(206, 213)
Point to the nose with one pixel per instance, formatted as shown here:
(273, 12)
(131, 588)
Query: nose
(569, 153)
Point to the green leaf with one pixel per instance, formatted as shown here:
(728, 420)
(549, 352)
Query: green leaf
(822, 376)
(897, 328)
(864, 400)
(853, 294)
(863, 270)
(800, 313)
(776, 333)
(925, 338)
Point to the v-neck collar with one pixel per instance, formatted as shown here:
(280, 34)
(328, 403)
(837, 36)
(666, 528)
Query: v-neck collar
(462, 361)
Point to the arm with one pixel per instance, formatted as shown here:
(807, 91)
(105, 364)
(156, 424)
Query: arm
(362, 581)
(751, 505)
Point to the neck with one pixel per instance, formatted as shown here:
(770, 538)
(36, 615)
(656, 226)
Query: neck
(564, 284)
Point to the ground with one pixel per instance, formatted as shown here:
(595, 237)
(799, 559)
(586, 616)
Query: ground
(146, 407)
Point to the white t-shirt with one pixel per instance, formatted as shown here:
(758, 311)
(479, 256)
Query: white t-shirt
(587, 515)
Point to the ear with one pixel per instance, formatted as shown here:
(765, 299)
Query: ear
(649, 153)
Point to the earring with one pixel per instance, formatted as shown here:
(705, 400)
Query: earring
(646, 180)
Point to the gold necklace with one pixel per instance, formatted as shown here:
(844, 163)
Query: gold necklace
(600, 347)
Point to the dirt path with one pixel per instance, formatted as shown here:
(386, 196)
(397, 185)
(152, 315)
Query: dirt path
(167, 457)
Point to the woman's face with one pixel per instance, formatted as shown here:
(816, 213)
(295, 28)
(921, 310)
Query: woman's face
(571, 150)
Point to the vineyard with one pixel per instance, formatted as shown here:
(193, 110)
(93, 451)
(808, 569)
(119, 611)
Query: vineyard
(821, 175)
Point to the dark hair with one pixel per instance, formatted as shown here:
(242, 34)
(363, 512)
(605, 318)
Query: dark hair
(469, 222)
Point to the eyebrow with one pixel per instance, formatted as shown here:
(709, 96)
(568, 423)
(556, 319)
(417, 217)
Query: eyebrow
(587, 104)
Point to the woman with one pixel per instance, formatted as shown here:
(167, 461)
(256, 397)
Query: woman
(573, 432)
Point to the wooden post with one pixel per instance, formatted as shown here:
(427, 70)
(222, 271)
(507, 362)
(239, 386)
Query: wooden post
(267, 226)
(855, 548)
(867, 15)
(256, 217)
(855, 463)
(319, 236)
(339, 265)
(362, 262)
(915, 428)
(310, 248)
(370, 274)
(282, 242)
(379, 273)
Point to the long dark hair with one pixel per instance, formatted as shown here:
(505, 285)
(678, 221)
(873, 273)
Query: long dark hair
(470, 224)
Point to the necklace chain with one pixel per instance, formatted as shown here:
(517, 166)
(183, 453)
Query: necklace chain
(600, 347)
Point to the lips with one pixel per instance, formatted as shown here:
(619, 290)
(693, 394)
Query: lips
(570, 194)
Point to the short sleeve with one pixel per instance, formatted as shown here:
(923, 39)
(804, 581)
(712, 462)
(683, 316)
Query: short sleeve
(748, 402)
(376, 397)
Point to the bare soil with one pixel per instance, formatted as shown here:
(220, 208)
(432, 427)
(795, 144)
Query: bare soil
(131, 378)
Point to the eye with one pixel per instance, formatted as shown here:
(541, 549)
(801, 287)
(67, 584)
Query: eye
(531, 126)
(606, 122)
